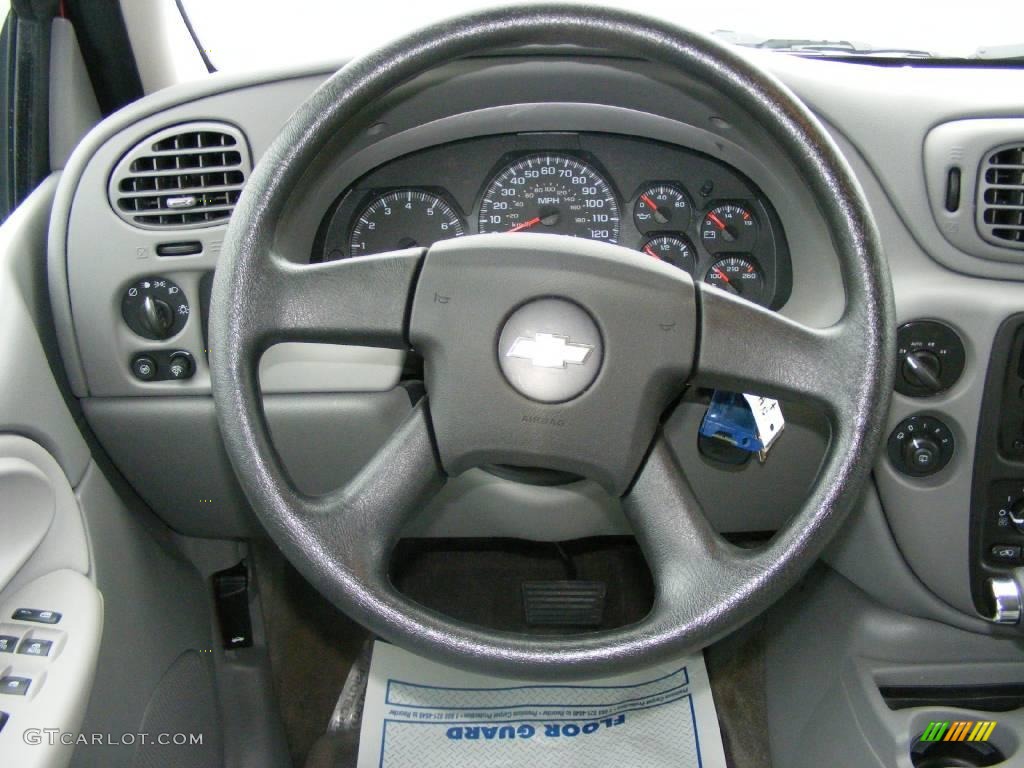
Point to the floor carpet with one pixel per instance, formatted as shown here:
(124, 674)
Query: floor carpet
(313, 646)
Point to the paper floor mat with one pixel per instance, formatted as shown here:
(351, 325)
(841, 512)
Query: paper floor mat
(419, 714)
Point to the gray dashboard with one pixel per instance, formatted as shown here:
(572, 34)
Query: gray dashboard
(329, 407)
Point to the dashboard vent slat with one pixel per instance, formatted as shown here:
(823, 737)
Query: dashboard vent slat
(185, 177)
(1000, 200)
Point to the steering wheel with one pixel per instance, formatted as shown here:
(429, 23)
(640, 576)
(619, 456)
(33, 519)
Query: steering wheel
(602, 342)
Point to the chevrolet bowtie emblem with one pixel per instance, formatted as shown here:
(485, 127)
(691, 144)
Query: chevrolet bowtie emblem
(549, 350)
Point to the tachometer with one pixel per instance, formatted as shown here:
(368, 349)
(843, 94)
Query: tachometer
(405, 218)
(557, 194)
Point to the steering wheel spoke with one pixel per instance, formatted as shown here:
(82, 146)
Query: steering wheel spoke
(362, 521)
(362, 301)
(682, 550)
(747, 348)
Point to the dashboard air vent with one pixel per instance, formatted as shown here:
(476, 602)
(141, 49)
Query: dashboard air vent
(1000, 208)
(183, 177)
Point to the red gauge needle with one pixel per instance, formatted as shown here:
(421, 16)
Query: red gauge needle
(721, 274)
(650, 252)
(526, 224)
(650, 203)
(716, 221)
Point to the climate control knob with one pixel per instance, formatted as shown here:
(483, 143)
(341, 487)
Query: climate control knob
(922, 368)
(931, 358)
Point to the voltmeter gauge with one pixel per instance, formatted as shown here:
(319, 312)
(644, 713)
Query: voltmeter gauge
(673, 249)
(661, 207)
(738, 275)
(728, 227)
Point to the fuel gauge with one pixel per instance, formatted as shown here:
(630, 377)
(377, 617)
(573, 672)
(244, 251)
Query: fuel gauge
(672, 249)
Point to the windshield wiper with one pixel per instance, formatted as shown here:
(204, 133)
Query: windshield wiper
(809, 47)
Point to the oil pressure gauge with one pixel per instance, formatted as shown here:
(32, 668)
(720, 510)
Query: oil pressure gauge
(661, 207)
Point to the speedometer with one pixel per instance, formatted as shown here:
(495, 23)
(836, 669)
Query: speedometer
(556, 194)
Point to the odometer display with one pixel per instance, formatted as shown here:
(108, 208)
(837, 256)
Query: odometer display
(556, 194)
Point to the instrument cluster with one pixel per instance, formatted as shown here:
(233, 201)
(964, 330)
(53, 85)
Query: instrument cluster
(669, 202)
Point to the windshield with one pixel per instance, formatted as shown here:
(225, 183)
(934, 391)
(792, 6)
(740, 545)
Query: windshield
(256, 34)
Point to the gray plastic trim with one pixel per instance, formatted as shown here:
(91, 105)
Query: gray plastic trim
(966, 144)
(929, 517)
(25, 516)
(170, 450)
(73, 107)
(184, 98)
(64, 545)
(886, 113)
(157, 607)
(293, 367)
(829, 648)
(106, 271)
(30, 402)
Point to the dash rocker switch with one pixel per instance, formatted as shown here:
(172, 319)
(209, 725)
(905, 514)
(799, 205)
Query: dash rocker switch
(1006, 596)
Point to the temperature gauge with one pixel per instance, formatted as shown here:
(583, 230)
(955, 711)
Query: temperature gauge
(672, 249)
(739, 276)
(661, 206)
(728, 228)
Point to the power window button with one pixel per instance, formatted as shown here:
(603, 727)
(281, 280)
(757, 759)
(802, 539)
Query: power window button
(3, 720)
(31, 647)
(14, 686)
(7, 643)
(36, 615)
